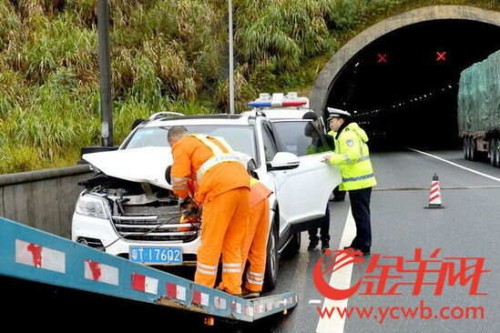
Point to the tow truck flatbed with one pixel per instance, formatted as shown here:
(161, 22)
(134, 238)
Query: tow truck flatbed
(30, 254)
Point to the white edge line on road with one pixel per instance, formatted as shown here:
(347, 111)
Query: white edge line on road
(340, 279)
(456, 165)
(314, 301)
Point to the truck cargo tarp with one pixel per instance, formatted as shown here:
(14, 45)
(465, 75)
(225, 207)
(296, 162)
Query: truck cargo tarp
(479, 95)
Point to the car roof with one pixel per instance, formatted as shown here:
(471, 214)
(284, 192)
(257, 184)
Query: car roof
(205, 119)
(221, 119)
(163, 118)
(281, 113)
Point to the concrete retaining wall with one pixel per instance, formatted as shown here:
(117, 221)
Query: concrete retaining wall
(43, 199)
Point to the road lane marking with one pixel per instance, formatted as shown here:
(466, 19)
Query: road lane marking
(340, 279)
(457, 165)
(314, 301)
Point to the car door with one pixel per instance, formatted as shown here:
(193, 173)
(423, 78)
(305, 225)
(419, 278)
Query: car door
(303, 192)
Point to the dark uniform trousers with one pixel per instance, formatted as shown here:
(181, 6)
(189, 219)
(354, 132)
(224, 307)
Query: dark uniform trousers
(324, 229)
(338, 195)
(360, 207)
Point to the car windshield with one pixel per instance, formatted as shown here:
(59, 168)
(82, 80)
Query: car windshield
(240, 137)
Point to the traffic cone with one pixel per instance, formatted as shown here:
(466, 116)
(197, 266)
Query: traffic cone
(435, 194)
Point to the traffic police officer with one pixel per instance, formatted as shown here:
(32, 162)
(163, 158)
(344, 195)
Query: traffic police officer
(352, 156)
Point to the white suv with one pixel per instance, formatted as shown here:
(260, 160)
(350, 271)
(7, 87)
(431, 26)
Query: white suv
(128, 209)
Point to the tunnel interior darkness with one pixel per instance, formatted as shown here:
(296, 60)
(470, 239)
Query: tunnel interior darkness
(402, 88)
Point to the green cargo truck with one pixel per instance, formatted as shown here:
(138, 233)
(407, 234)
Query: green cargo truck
(479, 109)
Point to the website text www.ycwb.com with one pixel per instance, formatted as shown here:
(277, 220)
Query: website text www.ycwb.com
(421, 311)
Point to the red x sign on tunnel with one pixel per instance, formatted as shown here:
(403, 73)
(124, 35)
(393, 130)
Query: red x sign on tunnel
(381, 58)
(441, 56)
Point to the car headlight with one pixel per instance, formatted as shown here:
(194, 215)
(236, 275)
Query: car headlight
(90, 205)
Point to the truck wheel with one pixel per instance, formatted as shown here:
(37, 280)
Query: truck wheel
(496, 161)
(271, 273)
(465, 147)
(472, 150)
(492, 150)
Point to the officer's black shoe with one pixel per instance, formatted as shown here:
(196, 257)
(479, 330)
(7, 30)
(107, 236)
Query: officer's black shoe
(365, 251)
(324, 246)
(312, 245)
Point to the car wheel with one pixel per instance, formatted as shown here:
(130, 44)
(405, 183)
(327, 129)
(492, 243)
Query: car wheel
(271, 274)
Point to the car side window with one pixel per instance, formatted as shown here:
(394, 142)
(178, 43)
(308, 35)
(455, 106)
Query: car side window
(300, 137)
(270, 148)
(287, 133)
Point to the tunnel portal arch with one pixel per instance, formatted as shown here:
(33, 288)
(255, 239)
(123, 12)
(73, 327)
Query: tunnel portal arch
(326, 79)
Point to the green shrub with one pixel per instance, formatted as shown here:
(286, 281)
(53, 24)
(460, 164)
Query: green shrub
(165, 55)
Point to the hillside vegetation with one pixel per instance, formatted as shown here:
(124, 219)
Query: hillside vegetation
(165, 55)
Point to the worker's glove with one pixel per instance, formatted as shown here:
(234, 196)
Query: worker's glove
(193, 211)
(185, 203)
(189, 208)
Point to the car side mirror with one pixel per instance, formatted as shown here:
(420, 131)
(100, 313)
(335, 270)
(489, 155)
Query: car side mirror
(283, 161)
(251, 165)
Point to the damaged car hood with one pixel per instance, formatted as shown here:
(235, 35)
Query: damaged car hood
(147, 164)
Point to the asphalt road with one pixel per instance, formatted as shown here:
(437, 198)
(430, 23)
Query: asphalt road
(416, 294)
(466, 230)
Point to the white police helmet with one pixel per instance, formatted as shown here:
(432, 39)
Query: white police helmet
(337, 113)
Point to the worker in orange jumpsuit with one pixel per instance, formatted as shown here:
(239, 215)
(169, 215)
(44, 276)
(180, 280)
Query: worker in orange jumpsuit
(255, 244)
(223, 191)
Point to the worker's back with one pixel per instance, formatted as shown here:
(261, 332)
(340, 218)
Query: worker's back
(214, 180)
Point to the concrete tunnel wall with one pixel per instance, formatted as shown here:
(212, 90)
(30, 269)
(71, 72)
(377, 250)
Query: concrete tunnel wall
(324, 83)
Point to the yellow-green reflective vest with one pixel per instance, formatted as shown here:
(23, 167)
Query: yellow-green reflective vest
(352, 156)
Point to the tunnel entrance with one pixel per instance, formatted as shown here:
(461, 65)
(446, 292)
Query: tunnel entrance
(402, 86)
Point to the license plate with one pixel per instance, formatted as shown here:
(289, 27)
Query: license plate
(156, 255)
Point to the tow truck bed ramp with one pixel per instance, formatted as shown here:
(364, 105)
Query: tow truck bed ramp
(31, 254)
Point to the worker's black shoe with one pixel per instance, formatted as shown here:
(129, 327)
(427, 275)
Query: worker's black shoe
(324, 246)
(312, 245)
(221, 288)
(250, 294)
(364, 250)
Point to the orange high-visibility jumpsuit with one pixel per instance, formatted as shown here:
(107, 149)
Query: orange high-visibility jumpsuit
(255, 245)
(223, 190)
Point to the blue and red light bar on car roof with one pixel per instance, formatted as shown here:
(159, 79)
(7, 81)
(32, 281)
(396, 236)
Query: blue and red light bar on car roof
(269, 104)
(279, 100)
